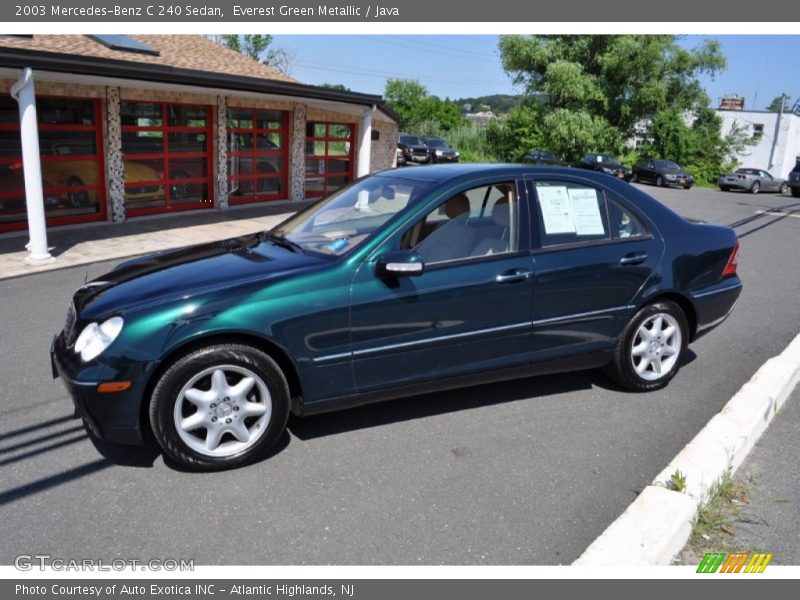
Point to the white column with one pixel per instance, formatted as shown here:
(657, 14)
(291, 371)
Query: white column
(364, 155)
(23, 92)
(365, 143)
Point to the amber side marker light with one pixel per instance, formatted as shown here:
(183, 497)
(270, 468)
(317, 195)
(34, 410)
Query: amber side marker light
(109, 387)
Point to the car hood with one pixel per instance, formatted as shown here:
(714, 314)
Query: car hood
(187, 272)
(415, 147)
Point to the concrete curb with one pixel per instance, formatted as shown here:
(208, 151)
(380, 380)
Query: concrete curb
(657, 525)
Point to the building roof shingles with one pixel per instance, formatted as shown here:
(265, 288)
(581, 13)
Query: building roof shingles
(194, 52)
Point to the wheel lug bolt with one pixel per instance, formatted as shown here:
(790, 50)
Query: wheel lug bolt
(213, 419)
(227, 399)
(235, 408)
(227, 420)
(213, 405)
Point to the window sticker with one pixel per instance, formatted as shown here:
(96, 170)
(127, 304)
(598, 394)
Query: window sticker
(556, 209)
(338, 245)
(586, 211)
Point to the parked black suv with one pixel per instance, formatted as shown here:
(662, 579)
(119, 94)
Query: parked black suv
(544, 157)
(604, 163)
(662, 173)
(413, 148)
(794, 179)
(440, 151)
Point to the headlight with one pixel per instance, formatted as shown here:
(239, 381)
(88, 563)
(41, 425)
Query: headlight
(458, 153)
(671, 176)
(94, 338)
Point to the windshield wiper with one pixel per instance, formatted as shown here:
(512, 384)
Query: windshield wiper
(283, 241)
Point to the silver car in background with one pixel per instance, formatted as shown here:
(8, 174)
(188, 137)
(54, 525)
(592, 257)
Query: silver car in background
(753, 181)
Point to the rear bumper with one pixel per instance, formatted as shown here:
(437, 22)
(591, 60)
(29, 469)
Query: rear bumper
(734, 185)
(715, 303)
(114, 417)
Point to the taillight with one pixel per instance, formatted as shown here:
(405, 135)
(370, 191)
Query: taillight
(733, 261)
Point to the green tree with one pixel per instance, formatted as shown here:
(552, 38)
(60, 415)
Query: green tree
(591, 91)
(775, 105)
(258, 46)
(415, 106)
(335, 86)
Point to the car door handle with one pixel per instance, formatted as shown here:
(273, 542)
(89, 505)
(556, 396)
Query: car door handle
(634, 258)
(513, 276)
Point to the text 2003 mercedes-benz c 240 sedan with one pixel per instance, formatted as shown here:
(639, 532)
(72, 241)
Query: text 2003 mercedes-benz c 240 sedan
(406, 281)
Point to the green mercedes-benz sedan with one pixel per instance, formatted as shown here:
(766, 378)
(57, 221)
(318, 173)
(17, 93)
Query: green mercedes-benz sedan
(410, 280)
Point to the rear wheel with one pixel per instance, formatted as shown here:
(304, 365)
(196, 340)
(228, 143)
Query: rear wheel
(784, 189)
(650, 350)
(635, 178)
(755, 188)
(724, 188)
(219, 407)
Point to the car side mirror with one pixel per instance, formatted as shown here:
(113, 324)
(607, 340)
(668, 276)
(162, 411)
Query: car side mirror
(401, 263)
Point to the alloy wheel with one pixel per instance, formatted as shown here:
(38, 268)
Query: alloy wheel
(656, 346)
(223, 410)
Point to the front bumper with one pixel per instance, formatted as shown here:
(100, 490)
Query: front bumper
(734, 184)
(680, 181)
(115, 417)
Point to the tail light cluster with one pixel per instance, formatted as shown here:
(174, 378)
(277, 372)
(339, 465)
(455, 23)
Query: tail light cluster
(733, 262)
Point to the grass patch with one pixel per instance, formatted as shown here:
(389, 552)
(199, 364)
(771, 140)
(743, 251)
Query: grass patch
(714, 527)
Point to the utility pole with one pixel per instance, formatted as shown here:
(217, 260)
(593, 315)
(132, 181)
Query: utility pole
(784, 96)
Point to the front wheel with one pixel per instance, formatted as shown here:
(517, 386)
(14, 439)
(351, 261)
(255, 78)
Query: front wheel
(220, 407)
(635, 178)
(650, 349)
(784, 189)
(659, 181)
(796, 192)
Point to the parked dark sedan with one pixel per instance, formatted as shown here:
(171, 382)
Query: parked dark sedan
(413, 148)
(403, 282)
(662, 173)
(753, 181)
(440, 150)
(794, 180)
(544, 157)
(604, 163)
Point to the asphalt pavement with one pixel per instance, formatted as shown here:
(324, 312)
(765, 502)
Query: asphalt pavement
(524, 472)
(769, 521)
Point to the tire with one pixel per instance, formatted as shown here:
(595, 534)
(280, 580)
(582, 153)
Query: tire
(723, 188)
(632, 348)
(78, 199)
(754, 189)
(180, 190)
(659, 181)
(784, 189)
(796, 192)
(212, 375)
(687, 187)
(635, 178)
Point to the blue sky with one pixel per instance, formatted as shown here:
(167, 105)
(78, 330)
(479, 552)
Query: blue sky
(759, 67)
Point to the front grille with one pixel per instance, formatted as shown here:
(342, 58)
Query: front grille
(69, 325)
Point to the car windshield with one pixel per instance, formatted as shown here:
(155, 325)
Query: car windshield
(549, 155)
(436, 143)
(345, 219)
(666, 164)
(608, 160)
(411, 140)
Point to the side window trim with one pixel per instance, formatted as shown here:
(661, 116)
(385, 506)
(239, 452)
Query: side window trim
(522, 212)
(608, 196)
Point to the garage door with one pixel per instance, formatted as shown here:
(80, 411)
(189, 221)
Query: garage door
(167, 158)
(257, 155)
(71, 146)
(329, 157)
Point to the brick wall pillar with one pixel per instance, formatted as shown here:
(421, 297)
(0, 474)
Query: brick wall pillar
(115, 175)
(222, 153)
(297, 165)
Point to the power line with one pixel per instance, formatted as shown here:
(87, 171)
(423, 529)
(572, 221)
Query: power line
(385, 75)
(418, 49)
(383, 72)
